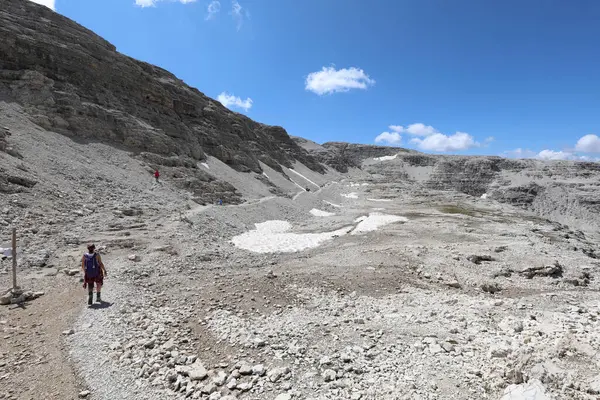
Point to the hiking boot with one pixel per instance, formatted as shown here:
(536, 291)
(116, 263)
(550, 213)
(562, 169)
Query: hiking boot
(90, 299)
(98, 300)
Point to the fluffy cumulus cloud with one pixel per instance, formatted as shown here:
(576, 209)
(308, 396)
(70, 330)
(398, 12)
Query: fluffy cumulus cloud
(213, 9)
(442, 143)
(588, 144)
(430, 139)
(393, 138)
(555, 155)
(48, 3)
(152, 3)
(231, 101)
(548, 155)
(330, 80)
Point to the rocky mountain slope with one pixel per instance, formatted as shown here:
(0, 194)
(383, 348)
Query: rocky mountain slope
(73, 82)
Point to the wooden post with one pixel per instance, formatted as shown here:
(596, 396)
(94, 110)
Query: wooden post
(14, 257)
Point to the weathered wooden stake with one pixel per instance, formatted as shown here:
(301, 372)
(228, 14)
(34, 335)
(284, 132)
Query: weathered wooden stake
(14, 257)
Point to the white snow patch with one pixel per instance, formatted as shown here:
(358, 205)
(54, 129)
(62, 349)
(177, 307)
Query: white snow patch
(205, 165)
(374, 221)
(321, 213)
(273, 236)
(352, 195)
(308, 180)
(385, 158)
(381, 200)
(332, 204)
(266, 176)
(359, 184)
(484, 196)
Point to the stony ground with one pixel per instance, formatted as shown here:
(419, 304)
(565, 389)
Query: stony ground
(464, 298)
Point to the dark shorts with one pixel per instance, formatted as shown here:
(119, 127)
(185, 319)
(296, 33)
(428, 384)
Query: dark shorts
(98, 279)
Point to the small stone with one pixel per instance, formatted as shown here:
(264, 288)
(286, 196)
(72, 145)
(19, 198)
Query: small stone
(435, 348)
(209, 388)
(275, 374)
(232, 384)
(258, 370)
(134, 257)
(169, 345)
(215, 396)
(284, 396)
(197, 372)
(245, 369)
(220, 379)
(244, 386)
(329, 375)
(84, 394)
(448, 347)
(69, 332)
(454, 284)
(5, 299)
(72, 272)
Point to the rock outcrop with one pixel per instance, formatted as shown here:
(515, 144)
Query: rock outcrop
(343, 156)
(75, 83)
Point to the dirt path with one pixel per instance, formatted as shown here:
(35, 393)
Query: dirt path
(33, 360)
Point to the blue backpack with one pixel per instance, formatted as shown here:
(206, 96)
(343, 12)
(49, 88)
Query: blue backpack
(92, 267)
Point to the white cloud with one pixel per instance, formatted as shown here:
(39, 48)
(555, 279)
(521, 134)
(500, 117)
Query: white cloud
(238, 13)
(230, 101)
(548, 155)
(442, 143)
(519, 153)
(48, 3)
(588, 144)
(555, 155)
(434, 140)
(389, 138)
(213, 9)
(152, 3)
(417, 129)
(329, 80)
(420, 129)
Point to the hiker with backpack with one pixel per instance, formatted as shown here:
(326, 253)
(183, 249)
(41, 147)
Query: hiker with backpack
(94, 273)
(156, 175)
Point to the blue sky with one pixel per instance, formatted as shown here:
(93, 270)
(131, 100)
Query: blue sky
(512, 77)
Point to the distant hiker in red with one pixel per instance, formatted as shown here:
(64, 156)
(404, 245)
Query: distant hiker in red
(156, 175)
(94, 273)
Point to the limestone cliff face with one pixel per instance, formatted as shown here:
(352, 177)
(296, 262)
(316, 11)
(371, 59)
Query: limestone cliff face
(341, 156)
(74, 82)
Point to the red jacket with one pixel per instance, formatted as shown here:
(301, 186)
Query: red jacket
(156, 174)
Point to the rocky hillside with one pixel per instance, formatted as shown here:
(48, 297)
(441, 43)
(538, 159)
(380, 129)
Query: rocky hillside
(564, 191)
(73, 82)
